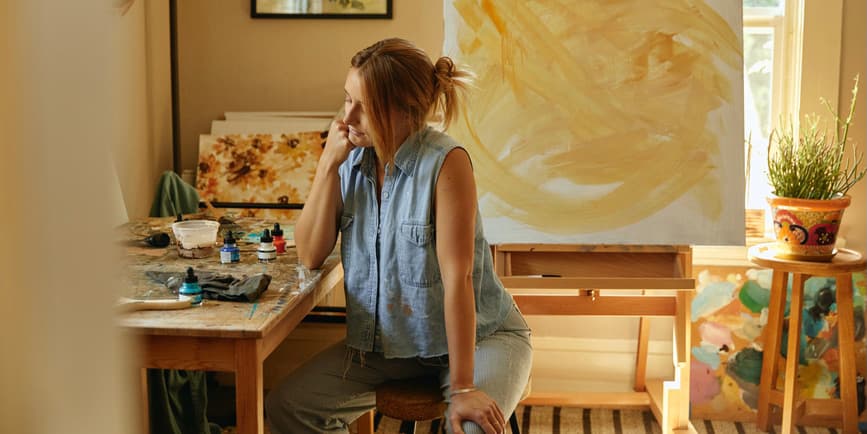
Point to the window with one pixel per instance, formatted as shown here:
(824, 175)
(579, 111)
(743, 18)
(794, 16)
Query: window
(765, 73)
(791, 60)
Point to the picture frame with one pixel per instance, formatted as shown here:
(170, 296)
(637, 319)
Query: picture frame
(319, 9)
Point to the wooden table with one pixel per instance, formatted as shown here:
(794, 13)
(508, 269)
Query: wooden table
(220, 336)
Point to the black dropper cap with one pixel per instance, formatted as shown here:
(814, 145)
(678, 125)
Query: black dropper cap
(266, 237)
(191, 276)
(277, 231)
(228, 238)
(159, 239)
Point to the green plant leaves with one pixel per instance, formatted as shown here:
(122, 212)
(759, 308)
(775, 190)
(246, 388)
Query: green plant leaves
(811, 163)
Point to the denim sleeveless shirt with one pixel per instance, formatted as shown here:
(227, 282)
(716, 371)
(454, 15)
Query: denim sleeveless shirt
(394, 291)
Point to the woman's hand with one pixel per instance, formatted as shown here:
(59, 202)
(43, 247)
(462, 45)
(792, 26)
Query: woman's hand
(337, 146)
(478, 407)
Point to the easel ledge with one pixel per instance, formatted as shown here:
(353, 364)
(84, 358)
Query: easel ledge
(565, 279)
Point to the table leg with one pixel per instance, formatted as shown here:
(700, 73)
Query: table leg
(249, 402)
(846, 338)
(790, 390)
(365, 423)
(771, 347)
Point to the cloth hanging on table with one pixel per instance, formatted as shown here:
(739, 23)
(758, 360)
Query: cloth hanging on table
(178, 402)
(216, 286)
(174, 196)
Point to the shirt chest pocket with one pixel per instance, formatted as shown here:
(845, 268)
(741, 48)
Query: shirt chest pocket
(417, 260)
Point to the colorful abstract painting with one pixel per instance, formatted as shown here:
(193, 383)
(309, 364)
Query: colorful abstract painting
(599, 121)
(729, 311)
(258, 169)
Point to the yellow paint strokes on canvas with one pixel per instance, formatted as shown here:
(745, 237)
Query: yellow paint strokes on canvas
(491, 11)
(604, 104)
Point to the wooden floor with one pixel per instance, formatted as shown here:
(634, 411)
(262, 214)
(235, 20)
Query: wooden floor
(557, 420)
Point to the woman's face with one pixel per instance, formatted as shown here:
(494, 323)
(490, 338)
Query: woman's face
(354, 106)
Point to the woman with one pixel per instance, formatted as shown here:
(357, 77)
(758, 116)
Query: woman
(421, 294)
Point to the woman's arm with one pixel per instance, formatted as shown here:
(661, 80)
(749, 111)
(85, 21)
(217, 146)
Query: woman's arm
(455, 205)
(316, 228)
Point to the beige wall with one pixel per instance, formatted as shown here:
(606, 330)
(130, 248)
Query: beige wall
(230, 62)
(130, 94)
(142, 145)
(853, 60)
(822, 38)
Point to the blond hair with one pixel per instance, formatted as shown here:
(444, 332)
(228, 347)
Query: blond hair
(397, 77)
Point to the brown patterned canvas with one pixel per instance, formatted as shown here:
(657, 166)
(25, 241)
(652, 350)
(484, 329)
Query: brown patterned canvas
(258, 168)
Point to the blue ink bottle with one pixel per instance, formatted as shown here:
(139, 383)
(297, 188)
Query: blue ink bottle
(190, 289)
(266, 251)
(230, 253)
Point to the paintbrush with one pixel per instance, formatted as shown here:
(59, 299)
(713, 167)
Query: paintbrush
(126, 304)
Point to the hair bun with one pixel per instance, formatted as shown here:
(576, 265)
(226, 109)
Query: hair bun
(444, 71)
(445, 67)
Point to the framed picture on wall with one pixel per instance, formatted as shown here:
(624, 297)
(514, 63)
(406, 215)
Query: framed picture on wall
(320, 9)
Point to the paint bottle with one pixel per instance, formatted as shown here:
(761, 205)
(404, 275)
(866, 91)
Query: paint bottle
(190, 289)
(279, 242)
(229, 253)
(266, 251)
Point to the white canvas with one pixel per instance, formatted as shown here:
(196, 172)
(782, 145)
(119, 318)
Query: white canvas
(594, 121)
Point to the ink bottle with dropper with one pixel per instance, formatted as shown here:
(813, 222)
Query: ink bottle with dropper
(190, 289)
(279, 242)
(266, 251)
(229, 253)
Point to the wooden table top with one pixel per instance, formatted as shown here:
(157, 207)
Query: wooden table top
(289, 281)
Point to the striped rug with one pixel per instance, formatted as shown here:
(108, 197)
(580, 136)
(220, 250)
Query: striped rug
(566, 420)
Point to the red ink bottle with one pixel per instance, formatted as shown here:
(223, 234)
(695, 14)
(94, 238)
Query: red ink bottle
(279, 242)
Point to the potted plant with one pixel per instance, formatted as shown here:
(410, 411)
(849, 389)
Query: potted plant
(810, 174)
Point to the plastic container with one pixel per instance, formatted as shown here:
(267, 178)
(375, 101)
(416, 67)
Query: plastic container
(196, 238)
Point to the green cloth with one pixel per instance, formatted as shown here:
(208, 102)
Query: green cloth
(178, 401)
(174, 196)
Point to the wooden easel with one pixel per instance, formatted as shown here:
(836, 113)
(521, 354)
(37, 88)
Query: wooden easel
(560, 279)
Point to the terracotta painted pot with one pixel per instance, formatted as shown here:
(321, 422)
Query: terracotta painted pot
(806, 229)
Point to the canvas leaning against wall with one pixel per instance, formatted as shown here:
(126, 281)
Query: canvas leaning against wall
(595, 121)
(258, 170)
(729, 313)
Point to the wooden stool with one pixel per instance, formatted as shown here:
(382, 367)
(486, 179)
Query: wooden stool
(417, 399)
(840, 268)
(410, 401)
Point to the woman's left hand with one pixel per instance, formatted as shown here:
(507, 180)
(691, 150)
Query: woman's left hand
(478, 407)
